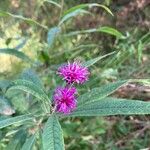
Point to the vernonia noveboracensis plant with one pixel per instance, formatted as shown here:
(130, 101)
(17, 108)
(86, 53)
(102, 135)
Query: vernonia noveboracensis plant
(37, 124)
(42, 125)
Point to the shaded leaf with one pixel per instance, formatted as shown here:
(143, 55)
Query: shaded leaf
(98, 93)
(17, 140)
(95, 60)
(29, 87)
(4, 84)
(33, 89)
(30, 75)
(14, 120)
(29, 143)
(54, 3)
(52, 135)
(5, 107)
(52, 34)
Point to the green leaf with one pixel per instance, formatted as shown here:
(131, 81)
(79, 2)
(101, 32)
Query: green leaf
(52, 135)
(31, 75)
(14, 120)
(95, 60)
(52, 2)
(111, 31)
(4, 84)
(29, 143)
(73, 14)
(17, 140)
(82, 6)
(140, 51)
(16, 53)
(113, 106)
(27, 20)
(99, 93)
(5, 107)
(107, 30)
(22, 44)
(52, 34)
(31, 88)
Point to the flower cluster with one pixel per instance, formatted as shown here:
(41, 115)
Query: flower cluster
(65, 100)
(74, 73)
(64, 97)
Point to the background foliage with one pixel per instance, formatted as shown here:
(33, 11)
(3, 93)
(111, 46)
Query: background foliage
(119, 52)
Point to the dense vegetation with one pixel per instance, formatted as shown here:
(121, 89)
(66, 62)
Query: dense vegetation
(110, 37)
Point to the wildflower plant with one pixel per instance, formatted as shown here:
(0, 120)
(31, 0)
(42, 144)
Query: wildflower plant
(44, 122)
(38, 126)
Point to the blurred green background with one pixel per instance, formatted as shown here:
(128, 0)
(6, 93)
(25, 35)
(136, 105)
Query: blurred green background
(131, 59)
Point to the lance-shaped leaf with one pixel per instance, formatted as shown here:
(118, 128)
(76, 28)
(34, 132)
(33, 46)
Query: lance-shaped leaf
(98, 93)
(113, 106)
(52, 2)
(16, 53)
(31, 88)
(17, 140)
(83, 6)
(29, 143)
(5, 107)
(52, 34)
(73, 14)
(95, 60)
(4, 84)
(52, 135)
(14, 120)
(108, 30)
(31, 75)
(27, 20)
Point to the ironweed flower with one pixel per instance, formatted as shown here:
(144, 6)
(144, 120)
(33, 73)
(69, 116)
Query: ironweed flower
(74, 73)
(64, 99)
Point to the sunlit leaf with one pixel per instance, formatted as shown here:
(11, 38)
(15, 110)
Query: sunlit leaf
(108, 30)
(112, 31)
(82, 6)
(73, 14)
(113, 106)
(21, 45)
(27, 20)
(16, 53)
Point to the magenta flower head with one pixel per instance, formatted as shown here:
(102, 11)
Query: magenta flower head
(64, 99)
(74, 73)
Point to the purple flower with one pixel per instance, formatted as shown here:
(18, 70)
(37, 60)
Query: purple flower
(74, 73)
(64, 99)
